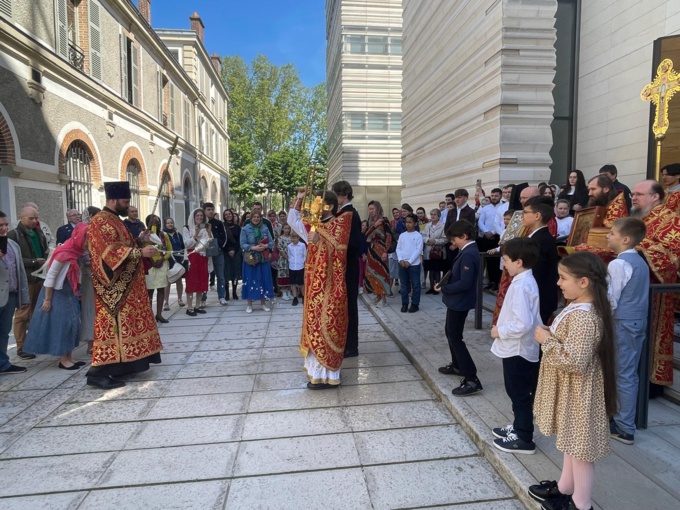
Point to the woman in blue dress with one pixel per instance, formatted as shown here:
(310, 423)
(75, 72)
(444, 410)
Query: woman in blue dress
(256, 243)
(55, 325)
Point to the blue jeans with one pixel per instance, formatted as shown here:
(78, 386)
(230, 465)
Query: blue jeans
(6, 318)
(218, 266)
(409, 276)
(629, 336)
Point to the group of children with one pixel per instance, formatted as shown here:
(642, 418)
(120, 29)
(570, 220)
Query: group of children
(567, 375)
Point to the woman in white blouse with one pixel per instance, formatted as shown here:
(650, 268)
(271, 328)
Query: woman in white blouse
(196, 237)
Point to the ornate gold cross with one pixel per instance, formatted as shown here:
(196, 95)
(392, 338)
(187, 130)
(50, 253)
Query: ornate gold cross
(660, 92)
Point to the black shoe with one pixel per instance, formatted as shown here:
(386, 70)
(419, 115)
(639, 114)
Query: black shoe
(572, 506)
(467, 387)
(295, 301)
(431, 291)
(404, 308)
(561, 502)
(435, 293)
(191, 313)
(616, 434)
(200, 310)
(321, 386)
(488, 286)
(204, 297)
(72, 367)
(494, 287)
(105, 383)
(80, 363)
(502, 432)
(449, 370)
(351, 354)
(13, 369)
(513, 444)
(162, 319)
(25, 355)
(547, 489)
(413, 309)
(302, 299)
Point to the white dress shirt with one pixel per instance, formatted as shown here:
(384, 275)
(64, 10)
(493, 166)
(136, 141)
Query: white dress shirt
(442, 216)
(297, 253)
(499, 224)
(564, 225)
(518, 319)
(410, 247)
(619, 273)
(487, 220)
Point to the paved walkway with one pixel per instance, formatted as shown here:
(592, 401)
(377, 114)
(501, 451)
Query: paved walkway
(225, 422)
(644, 475)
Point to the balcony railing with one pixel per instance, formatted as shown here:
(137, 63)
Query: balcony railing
(76, 56)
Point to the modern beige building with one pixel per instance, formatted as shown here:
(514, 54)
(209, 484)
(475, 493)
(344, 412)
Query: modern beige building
(363, 80)
(512, 91)
(90, 93)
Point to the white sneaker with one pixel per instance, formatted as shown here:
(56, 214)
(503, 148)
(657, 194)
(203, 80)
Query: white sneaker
(224, 302)
(249, 309)
(266, 308)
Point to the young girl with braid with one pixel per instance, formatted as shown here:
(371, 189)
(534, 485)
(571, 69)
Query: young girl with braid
(577, 387)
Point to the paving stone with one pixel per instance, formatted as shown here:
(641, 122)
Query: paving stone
(68, 501)
(371, 375)
(382, 393)
(434, 483)
(400, 415)
(281, 353)
(171, 348)
(294, 423)
(155, 373)
(170, 338)
(218, 369)
(281, 365)
(232, 355)
(296, 454)
(223, 345)
(131, 391)
(413, 444)
(282, 341)
(280, 381)
(189, 431)
(205, 386)
(180, 496)
(376, 360)
(47, 379)
(81, 413)
(292, 399)
(49, 441)
(338, 489)
(201, 405)
(378, 346)
(46, 474)
(172, 464)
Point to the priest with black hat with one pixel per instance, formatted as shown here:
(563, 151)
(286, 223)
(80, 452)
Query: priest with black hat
(126, 338)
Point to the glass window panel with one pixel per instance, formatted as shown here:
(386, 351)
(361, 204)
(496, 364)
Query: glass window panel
(395, 46)
(356, 44)
(132, 176)
(356, 121)
(395, 122)
(377, 121)
(377, 45)
(78, 172)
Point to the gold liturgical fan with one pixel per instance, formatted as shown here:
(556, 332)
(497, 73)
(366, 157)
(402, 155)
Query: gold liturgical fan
(660, 91)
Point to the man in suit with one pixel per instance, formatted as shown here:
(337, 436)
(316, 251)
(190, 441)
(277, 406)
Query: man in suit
(64, 232)
(343, 190)
(462, 211)
(538, 211)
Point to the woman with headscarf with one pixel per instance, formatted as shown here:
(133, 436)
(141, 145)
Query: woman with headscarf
(87, 309)
(55, 325)
(196, 237)
(177, 242)
(379, 238)
(233, 258)
(256, 242)
(157, 276)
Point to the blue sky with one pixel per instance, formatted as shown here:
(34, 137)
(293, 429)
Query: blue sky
(285, 31)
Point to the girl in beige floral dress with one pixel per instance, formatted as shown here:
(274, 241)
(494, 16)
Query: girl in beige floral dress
(576, 388)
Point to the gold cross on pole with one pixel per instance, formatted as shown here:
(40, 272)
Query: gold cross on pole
(660, 91)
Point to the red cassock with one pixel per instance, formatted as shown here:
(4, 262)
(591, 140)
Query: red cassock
(325, 316)
(125, 328)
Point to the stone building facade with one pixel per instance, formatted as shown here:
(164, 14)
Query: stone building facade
(90, 93)
(363, 70)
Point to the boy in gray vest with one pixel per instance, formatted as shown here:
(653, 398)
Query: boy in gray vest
(629, 297)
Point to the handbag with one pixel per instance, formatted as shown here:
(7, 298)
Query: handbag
(436, 253)
(251, 258)
(175, 273)
(212, 249)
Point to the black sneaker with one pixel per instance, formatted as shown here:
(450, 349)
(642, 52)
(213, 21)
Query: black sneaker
(449, 370)
(616, 434)
(199, 310)
(295, 301)
(413, 309)
(404, 308)
(547, 489)
(25, 355)
(502, 432)
(467, 387)
(561, 502)
(571, 506)
(513, 444)
(13, 369)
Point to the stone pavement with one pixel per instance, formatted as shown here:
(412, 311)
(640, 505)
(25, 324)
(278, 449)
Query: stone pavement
(644, 475)
(226, 422)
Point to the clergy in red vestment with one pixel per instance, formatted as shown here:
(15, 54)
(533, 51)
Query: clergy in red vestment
(670, 177)
(325, 314)
(126, 338)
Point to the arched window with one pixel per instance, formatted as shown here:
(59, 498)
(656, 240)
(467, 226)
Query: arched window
(132, 176)
(165, 196)
(187, 199)
(79, 177)
(213, 195)
(203, 191)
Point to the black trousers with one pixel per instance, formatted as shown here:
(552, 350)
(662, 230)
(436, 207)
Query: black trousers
(460, 356)
(493, 266)
(520, 378)
(352, 282)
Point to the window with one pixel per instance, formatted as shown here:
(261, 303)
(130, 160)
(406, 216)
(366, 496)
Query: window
(395, 45)
(377, 121)
(187, 120)
(377, 45)
(395, 121)
(356, 44)
(187, 198)
(132, 176)
(165, 196)
(356, 121)
(79, 178)
(172, 107)
(94, 10)
(202, 191)
(129, 70)
(6, 8)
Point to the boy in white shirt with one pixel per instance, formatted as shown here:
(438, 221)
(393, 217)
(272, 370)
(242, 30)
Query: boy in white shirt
(564, 221)
(409, 251)
(297, 253)
(514, 343)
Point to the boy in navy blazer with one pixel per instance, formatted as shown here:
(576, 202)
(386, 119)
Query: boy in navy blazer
(459, 296)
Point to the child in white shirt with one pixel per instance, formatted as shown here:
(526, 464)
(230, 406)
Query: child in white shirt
(514, 343)
(409, 251)
(297, 253)
(564, 221)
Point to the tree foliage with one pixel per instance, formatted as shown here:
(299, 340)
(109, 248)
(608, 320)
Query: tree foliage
(277, 127)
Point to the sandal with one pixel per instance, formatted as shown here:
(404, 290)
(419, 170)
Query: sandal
(181, 303)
